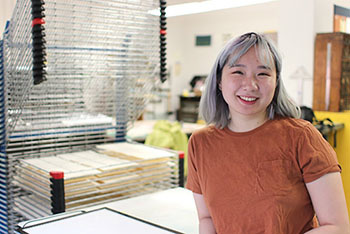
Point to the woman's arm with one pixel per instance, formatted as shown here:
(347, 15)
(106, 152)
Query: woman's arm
(327, 196)
(206, 225)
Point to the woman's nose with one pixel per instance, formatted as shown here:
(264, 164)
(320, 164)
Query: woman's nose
(250, 83)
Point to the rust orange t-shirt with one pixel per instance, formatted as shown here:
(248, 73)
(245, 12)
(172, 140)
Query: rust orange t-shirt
(254, 182)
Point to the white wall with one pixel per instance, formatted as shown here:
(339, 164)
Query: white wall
(6, 8)
(185, 60)
(296, 42)
(296, 21)
(324, 13)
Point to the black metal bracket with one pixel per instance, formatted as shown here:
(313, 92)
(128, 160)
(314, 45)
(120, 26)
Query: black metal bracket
(162, 39)
(38, 41)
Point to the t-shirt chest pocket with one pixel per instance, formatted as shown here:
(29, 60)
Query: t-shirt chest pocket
(276, 177)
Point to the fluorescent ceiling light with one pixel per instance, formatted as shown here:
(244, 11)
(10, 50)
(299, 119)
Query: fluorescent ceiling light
(206, 6)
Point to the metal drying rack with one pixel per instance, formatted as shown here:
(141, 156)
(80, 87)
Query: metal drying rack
(74, 74)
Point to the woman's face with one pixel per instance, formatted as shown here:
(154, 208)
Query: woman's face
(248, 86)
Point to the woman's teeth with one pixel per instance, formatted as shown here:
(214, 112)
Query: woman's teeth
(248, 99)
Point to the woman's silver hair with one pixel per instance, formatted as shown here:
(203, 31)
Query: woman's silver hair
(213, 108)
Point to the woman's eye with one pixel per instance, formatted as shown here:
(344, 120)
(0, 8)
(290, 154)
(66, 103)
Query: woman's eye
(263, 74)
(237, 72)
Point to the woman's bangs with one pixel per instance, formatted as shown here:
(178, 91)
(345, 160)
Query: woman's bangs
(265, 55)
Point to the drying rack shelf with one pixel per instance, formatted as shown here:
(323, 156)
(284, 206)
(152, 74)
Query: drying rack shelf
(109, 172)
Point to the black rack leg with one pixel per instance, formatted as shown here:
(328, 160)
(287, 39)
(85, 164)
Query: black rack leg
(181, 169)
(57, 192)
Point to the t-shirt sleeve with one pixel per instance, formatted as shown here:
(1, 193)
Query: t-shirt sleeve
(315, 155)
(192, 173)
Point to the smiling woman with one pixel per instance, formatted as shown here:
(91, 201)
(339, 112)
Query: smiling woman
(247, 87)
(267, 61)
(258, 167)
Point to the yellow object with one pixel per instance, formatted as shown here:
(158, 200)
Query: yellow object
(200, 121)
(343, 146)
(169, 135)
(185, 93)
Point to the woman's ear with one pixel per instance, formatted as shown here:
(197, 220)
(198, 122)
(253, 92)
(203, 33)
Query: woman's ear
(220, 86)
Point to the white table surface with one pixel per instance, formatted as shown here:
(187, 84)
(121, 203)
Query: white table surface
(173, 209)
(97, 221)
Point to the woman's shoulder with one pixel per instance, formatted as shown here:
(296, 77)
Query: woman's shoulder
(293, 121)
(294, 124)
(207, 131)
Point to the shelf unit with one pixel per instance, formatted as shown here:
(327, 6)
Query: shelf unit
(188, 111)
(331, 90)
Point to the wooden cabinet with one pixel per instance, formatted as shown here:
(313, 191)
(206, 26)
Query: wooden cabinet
(331, 90)
(188, 111)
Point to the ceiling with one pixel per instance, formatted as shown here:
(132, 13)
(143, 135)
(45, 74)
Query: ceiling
(174, 2)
